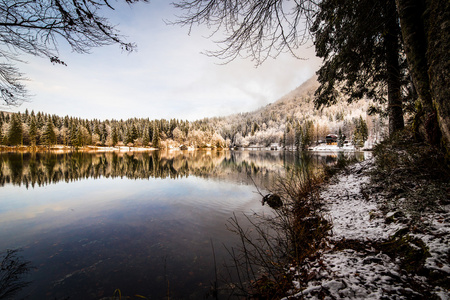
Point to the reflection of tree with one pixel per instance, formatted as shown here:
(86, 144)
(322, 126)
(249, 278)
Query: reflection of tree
(12, 270)
(45, 168)
(15, 164)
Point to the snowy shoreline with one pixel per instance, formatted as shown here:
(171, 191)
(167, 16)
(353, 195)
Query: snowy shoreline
(366, 272)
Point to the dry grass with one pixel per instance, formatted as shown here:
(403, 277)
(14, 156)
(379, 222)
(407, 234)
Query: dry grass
(295, 232)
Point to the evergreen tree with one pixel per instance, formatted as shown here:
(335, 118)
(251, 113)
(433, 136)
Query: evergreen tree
(104, 134)
(66, 122)
(156, 140)
(97, 129)
(80, 137)
(73, 134)
(25, 116)
(361, 133)
(49, 135)
(145, 137)
(32, 130)
(40, 120)
(364, 129)
(132, 134)
(359, 57)
(87, 133)
(114, 135)
(15, 132)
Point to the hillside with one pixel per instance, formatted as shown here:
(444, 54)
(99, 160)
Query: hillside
(281, 121)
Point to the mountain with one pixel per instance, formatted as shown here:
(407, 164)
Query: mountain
(281, 121)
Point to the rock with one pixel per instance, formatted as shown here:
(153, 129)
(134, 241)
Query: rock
(273, 200)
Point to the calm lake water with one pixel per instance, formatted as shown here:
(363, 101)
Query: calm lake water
(143, 223)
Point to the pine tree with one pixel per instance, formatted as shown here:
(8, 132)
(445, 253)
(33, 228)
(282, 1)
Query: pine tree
(97, 130)
(114, 136)
(80, 138)
(361, 133)
(32, 131)
(49, 135)
(156, 140)
(361, 58)
(15, 132)
(145, 137)
(104, 134)
(73, 134)
(132, 134)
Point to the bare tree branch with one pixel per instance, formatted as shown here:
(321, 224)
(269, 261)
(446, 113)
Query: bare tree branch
(34, 27)
(252, 29)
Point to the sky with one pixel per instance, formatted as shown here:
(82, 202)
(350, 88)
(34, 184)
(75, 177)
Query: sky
(167, 77)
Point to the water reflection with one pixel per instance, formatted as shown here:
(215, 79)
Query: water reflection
(31, 169)
(134, 227)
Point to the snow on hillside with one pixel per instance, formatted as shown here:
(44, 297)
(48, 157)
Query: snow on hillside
(271, 124)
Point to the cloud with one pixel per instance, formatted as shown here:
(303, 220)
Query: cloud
(167, 77)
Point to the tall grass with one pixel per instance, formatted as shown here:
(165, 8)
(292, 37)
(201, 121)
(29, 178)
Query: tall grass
(292, 234)
(13, 269)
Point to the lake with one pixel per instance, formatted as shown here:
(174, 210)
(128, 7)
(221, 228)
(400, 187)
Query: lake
(145, 223)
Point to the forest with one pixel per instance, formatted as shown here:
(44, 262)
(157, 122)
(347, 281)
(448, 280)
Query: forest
(291, 122)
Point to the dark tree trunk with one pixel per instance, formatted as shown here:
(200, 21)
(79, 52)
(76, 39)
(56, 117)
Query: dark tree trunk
(392, 47)
(413, 33)
(438, 58)
(425, 31)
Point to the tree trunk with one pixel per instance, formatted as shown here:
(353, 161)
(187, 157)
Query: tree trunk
(425, 31)
(391, 41)
(438, 58)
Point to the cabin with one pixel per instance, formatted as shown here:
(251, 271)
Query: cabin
(331, 139)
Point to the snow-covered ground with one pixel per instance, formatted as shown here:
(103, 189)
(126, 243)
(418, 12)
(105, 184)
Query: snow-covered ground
(364, 272)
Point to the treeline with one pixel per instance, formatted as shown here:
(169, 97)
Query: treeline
(291, 122)
(30, 129)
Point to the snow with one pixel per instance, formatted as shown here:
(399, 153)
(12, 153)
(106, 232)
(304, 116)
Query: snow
(437, 238)
(332, 148)
(367, 273)
(354, 216)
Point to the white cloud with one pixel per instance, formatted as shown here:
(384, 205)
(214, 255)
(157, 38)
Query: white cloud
(167, 77)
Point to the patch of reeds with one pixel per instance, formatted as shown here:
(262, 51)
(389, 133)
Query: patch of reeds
(13, 269)
(269, 244)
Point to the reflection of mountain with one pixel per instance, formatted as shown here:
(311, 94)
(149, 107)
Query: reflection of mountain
(45, 168)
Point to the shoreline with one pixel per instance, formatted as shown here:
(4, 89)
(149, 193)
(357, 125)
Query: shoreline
(65, 149)
(369, 252)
